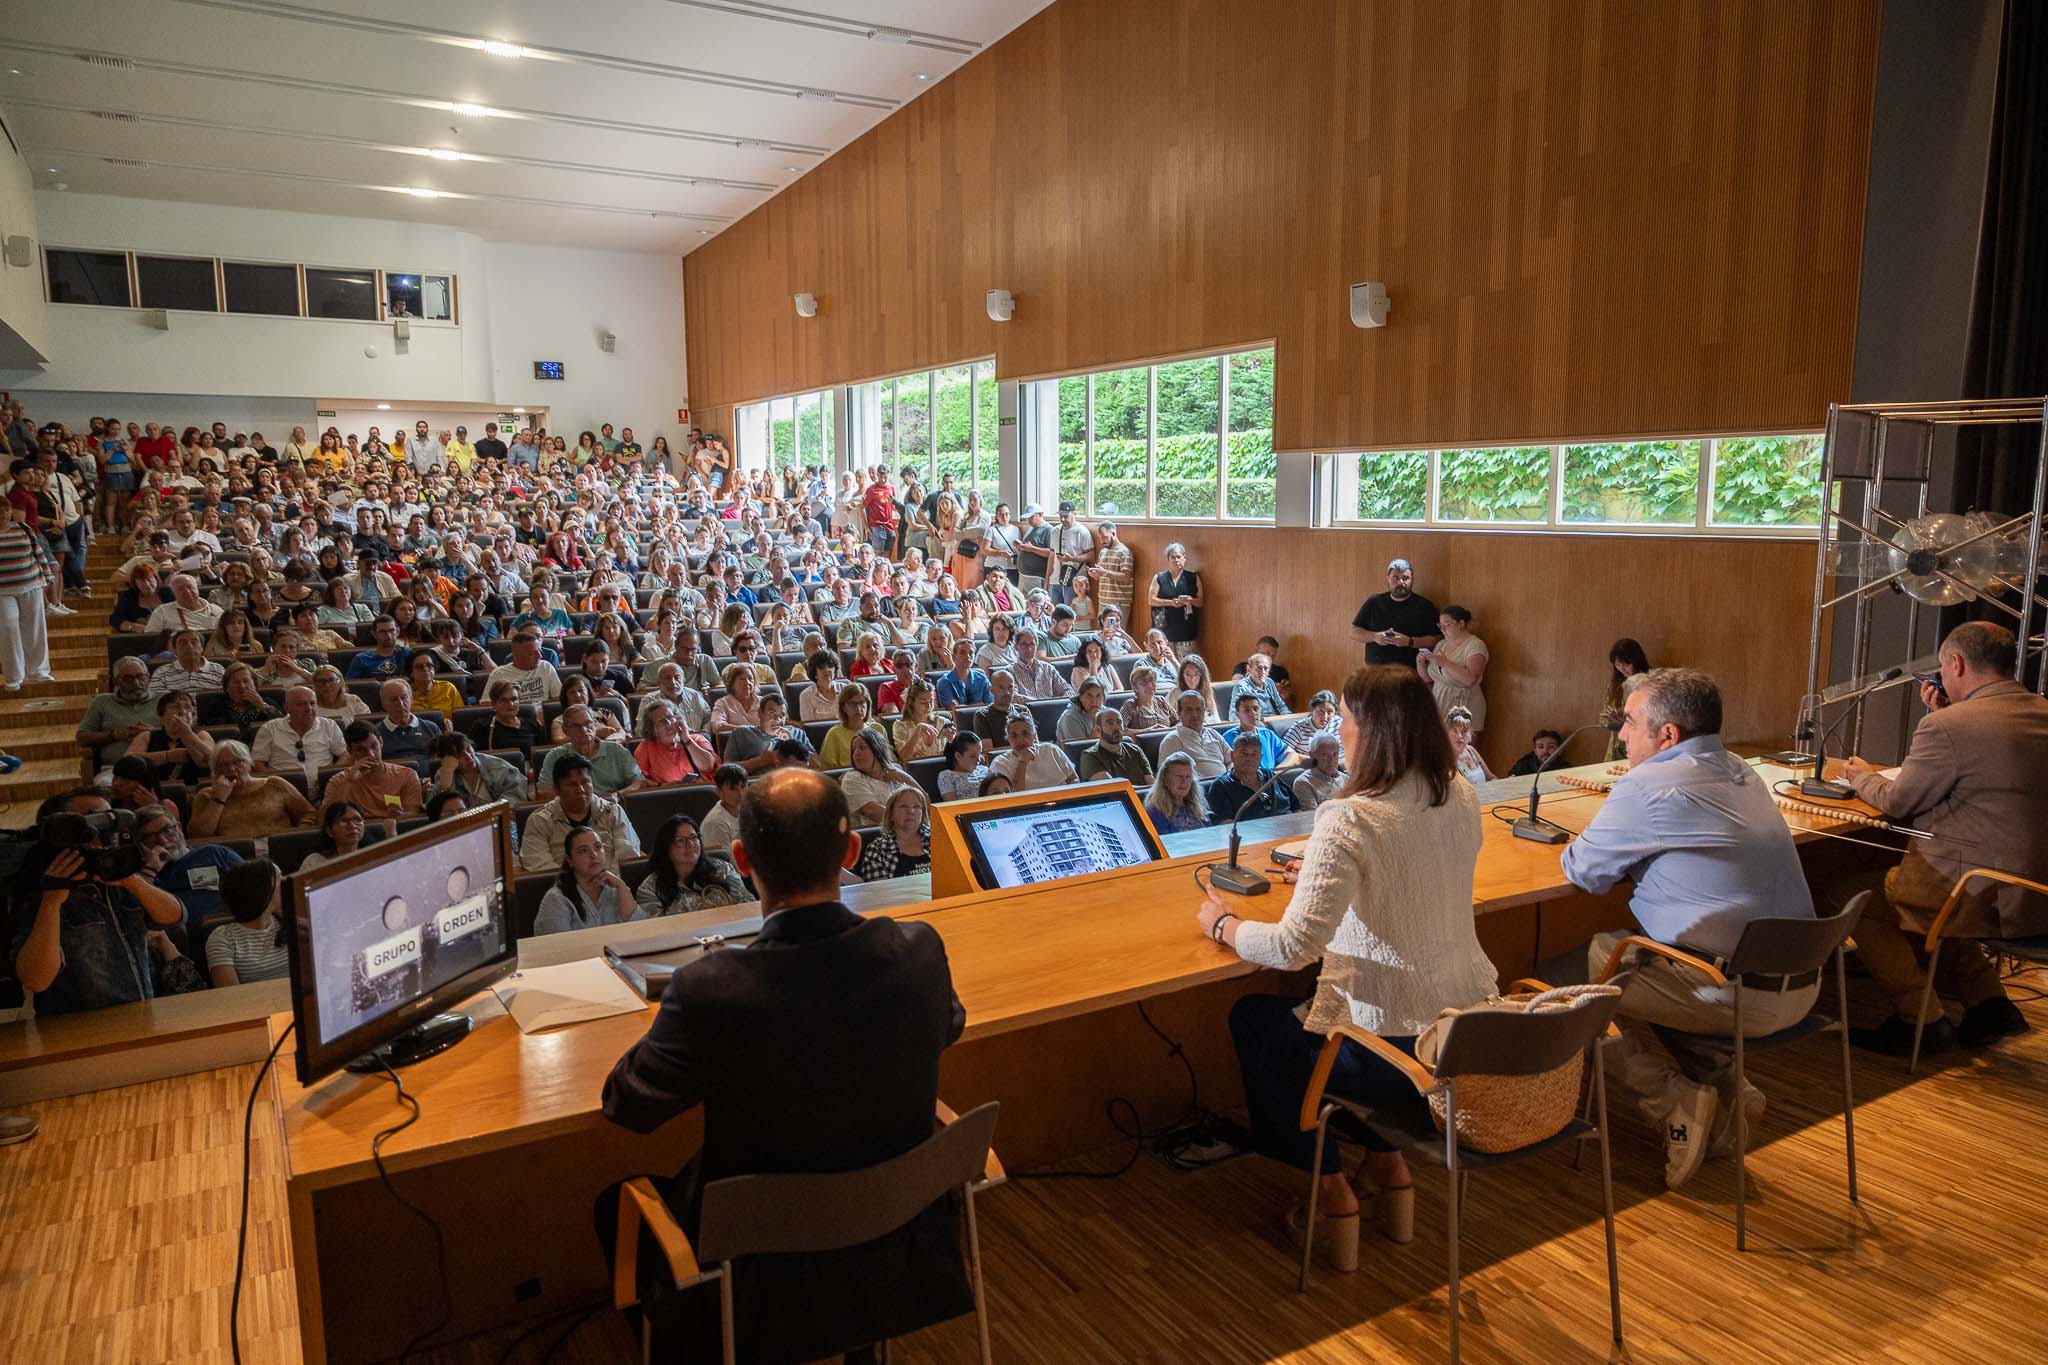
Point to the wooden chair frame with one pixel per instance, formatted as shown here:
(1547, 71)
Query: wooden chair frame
(1315, 1116)
(640, 1204)
(1936, 932)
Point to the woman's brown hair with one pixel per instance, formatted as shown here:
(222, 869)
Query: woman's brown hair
(1399, 732)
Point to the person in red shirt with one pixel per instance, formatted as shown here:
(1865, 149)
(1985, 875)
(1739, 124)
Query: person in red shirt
(880, 505)
(155, 446)
(23, 495)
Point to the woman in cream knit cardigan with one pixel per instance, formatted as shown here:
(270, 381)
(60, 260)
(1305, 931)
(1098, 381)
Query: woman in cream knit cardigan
(1384, 901)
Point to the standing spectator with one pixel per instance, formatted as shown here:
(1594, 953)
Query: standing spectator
(1393, 624)
(879, 502)
(1034, 549)
(1455, 669)
(1073, 548)
(1115, 572)
(67, 527)
(1176, 600)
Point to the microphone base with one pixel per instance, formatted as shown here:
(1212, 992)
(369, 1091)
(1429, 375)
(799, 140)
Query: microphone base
(1541, 831)
(1825, 791)
(1241, 881)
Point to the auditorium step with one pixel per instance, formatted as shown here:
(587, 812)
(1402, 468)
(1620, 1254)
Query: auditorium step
(35, 781)
(47, 738)
(19, 712)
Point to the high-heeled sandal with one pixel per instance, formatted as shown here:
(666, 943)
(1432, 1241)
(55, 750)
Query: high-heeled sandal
(1336, 1236)
(1391, 1211)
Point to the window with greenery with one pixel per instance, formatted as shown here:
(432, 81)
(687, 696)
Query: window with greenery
(1766, 481)
(1189, 439)
(1505, 483)
(955, 427)
(1392, 485)
(1189, 392)
(1250, 469)
(1653, 483)
(1697, 483)
(988, 464)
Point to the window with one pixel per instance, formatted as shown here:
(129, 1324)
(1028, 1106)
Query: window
(269, 289)
(91, 277)
(954, 426)
(1692, 483)
(341, 294)
(1122, 439)
(1186, 440)
(410, 294)
(786, 433)
(176, 282)
(988, 463)
(1250, 470)
(1766, 481)
(1074, 482)
(913, 423)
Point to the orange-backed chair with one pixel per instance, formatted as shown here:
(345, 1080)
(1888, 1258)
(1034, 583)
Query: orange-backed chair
(2033, 948)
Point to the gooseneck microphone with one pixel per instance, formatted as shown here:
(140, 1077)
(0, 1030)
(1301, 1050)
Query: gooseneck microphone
(1819, 786)
(1243, 880)
(1533, 826)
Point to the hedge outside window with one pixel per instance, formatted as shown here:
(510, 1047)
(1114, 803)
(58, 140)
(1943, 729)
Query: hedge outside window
(1187, 440)
(988, 463)
(1698, 483)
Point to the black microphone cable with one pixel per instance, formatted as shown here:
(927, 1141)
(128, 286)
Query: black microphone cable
(242, 1233)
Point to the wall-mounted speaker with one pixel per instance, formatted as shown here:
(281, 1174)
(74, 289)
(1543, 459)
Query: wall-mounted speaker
(21, 251)
(607, 343)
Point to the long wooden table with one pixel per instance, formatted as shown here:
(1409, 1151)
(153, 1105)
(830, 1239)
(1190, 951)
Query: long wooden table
(511, 1144)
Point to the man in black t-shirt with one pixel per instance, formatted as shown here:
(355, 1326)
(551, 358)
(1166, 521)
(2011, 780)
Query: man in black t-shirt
(1393, 624)
(490, 447)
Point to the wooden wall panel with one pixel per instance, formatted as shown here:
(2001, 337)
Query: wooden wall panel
(1735, 608)
(1594, 217)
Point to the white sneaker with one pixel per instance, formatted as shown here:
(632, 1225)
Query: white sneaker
(59, 609)
(1723, 1142)
(1687, 1130)
(13, 687)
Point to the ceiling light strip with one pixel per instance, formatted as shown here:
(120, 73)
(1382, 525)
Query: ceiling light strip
(418, 191)
(833, 23)
(394, 28)
(343, 91)
(131, 117)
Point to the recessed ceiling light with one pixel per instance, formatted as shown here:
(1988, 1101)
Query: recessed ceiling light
(703, 232)
(422, 192)
(471, 110)
(51, 169)
(893, 36)
(521, 410)
(443, 153)
(383, 407)
(14, 71)
(924, 76)
(499, 49)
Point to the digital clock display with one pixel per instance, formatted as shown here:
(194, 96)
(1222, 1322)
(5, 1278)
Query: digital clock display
(548, 369)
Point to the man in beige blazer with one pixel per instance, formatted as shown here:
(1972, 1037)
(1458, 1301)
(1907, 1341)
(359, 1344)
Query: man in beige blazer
(1976, 778)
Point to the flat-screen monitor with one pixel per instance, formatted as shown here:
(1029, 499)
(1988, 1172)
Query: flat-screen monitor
(1062, 836)
(383, 940)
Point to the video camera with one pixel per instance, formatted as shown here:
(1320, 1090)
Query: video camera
(105, 839)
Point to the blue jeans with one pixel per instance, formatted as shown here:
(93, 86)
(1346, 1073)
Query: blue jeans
(1277, 1054)
(74, 554)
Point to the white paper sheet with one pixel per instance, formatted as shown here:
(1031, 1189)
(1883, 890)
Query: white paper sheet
(567, 993)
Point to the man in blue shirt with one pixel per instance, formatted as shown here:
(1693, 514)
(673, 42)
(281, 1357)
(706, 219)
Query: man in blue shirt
(1695, 829)
(966, 685)
(384, 659)
(1249, 722)
(191, 874)
(1228, 794)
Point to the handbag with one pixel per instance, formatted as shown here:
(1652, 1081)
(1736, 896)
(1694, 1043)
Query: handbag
(1502, 1113)
(970, 549)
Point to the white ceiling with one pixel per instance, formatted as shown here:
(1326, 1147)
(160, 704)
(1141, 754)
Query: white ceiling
(643, 125)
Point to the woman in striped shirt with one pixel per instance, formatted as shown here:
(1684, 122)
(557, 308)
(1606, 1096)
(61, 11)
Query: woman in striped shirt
(252, 948)
(26, 572)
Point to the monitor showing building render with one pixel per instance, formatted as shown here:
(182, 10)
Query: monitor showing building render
(1073, 837)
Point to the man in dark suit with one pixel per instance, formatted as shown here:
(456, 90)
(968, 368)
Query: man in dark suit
(815, 1049)
(1976, 778)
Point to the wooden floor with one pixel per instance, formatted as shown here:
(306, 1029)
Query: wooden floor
(117, 1243)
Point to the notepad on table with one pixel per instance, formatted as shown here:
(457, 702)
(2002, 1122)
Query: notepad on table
(567, 993)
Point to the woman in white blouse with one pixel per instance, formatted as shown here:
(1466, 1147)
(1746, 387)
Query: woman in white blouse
(1384, 900)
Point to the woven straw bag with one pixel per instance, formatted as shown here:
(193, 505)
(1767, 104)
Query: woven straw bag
(1501, 1113)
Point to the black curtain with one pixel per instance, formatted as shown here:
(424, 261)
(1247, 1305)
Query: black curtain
(2009, 316)
(2008, 356)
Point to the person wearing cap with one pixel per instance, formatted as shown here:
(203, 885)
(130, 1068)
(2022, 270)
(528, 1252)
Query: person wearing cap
(1394, 624)
(461, 453)
(1034, 548)
(1073, 551)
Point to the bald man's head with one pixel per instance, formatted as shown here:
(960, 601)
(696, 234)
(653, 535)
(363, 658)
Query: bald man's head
(794, 834)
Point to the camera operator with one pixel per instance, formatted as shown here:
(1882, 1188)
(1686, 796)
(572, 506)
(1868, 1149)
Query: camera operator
(83, 942)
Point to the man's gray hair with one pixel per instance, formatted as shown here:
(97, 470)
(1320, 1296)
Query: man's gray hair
(1683, 697)
(128, 661)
